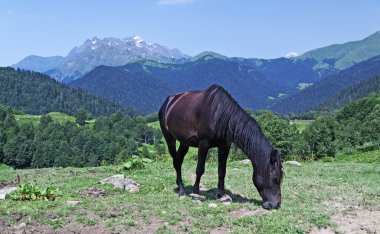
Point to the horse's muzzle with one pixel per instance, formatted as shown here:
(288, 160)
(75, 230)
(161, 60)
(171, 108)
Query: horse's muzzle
(271, 205)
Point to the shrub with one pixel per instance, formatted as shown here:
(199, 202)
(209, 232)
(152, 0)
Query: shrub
(26, 191)
(136, 162)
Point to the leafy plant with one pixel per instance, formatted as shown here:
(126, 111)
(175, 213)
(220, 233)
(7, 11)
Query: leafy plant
(31, 192)
(136, 162)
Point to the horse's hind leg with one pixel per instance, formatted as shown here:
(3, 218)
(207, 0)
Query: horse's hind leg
(177, 160)
(202, 154)
(222, 162)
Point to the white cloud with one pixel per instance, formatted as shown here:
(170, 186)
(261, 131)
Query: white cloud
(175, 2)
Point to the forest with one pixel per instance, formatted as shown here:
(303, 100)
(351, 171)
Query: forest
(36, 93)
(61, 144)
(112, 140)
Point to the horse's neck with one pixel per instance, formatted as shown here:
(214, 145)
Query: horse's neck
(251, 140)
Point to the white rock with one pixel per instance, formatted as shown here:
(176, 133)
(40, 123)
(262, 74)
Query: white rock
(246, 161)
(22, 225)
(74, 203)
(119, 181)
(212, 205)
(293, 163)
(4, 192)
(225, 198)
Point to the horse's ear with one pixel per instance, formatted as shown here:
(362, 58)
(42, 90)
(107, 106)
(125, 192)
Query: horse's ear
(274, 156)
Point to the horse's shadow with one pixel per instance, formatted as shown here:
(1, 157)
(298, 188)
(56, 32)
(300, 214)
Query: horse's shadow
(210, 194)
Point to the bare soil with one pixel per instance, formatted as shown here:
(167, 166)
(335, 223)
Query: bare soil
(354, 219)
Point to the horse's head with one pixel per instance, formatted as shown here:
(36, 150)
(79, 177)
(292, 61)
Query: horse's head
(268, 181)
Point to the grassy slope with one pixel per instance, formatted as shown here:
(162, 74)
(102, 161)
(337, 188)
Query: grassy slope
(301, 124)
(56, 116)
(366, 157)
(311, 194)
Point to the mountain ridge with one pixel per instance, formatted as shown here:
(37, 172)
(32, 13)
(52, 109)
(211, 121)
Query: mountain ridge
(37, 93)
(109, 51)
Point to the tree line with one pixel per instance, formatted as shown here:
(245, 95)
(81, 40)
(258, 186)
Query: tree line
(354, 128)
(112, 140)
(54, 144)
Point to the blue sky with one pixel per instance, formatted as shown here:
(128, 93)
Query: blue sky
(246, 28)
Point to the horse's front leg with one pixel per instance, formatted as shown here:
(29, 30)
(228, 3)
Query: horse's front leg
(222, 162)
(202, 155)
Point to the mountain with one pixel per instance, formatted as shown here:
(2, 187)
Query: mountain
(342, 56)
(352, 93)
(36, 93)
(40, 64)
(95, 52)
(324, 89)
(290, 73)
(144, 85)
(288, 76)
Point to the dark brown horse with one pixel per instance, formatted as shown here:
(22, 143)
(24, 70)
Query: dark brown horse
(212, 118)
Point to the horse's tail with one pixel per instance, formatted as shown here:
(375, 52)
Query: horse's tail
(162, 116)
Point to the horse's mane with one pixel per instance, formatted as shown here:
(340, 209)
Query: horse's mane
(235, 125)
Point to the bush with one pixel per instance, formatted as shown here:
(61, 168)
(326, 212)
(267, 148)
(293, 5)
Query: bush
(26, 191)
(136, 162)
(319, 138)
(278, 131)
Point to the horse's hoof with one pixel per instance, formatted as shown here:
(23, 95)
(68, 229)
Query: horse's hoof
(181, 197)
(225, 198)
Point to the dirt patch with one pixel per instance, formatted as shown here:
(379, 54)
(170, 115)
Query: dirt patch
(219, 230)
(10, 183)
(358, 221)
(151, 226)
(326, 230)
(94, 193)
(187, 220)
(83, 229)
(25, 228)
(243, 212)
(352, 219)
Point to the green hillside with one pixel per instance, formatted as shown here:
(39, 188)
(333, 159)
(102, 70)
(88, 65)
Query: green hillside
(35, 93)
(318, 93)
(343, 56)
(352, 93)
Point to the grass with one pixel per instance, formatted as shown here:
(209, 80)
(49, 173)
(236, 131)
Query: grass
(56, 116)
(309, 195)
(155, 125)
(301, 124)
(366, 157)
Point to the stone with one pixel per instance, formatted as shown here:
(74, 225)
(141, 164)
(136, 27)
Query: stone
(4, 192)
(212, 205)
(246, 161)
(195, 196)
(120, 181)
(22, 225)
(74, 203)
(225, 198)
(293, 163)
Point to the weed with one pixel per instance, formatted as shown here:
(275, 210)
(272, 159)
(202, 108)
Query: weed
(26, 191)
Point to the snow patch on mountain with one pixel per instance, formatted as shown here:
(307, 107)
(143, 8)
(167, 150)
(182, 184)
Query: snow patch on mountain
(291, 54)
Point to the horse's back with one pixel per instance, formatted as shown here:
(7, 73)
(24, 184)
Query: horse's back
(181, 115)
